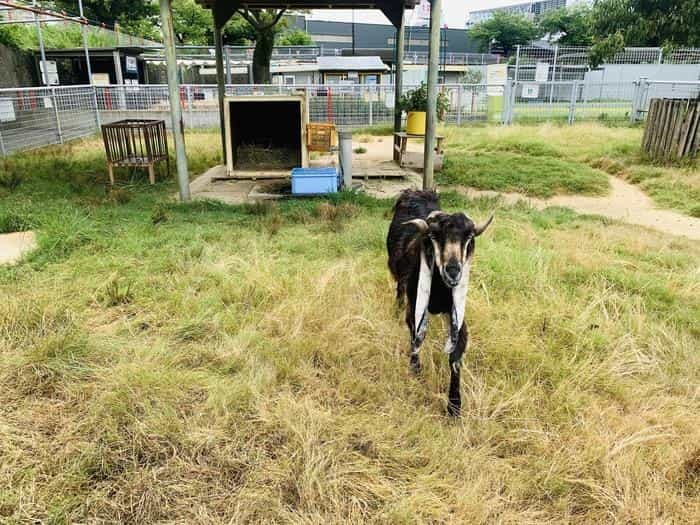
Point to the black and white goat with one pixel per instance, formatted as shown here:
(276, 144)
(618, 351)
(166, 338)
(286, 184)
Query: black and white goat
(429, 256)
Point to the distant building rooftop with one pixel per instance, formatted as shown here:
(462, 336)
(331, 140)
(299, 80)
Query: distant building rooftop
(371, 63)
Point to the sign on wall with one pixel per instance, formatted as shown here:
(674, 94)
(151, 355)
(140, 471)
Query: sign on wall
(131, 65)
(7, 110)
(52, 72)
(496, 77)
(542, 72)
(531, 91)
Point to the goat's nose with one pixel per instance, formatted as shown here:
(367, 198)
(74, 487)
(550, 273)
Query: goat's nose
(452, 269)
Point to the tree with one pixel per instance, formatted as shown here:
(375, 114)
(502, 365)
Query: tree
(572, 26)
(296, 37)
(264, 25)
(137, 17)
(193, 24)
(669, 23)
(505, 29)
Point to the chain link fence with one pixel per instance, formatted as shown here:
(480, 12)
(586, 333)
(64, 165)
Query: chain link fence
(568, 63)
(34, 117)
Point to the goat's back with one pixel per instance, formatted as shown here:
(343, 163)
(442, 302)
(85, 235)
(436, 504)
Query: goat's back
(403, 253)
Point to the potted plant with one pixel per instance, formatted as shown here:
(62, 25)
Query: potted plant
(415, 103)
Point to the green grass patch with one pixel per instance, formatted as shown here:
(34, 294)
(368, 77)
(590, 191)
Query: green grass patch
(538, 176)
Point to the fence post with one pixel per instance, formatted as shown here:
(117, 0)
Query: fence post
(3, 152)
(638, 101)
(188, 91)
(507, 111)
(371, 105)
(98, 120)
(55, 112)
(459, 105)
(517, 61)
(572, 101)
(661, 55)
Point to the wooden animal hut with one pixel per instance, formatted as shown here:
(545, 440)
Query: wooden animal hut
(223, 10)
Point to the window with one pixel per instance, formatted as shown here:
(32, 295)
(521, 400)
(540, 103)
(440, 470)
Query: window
(289, 80)
(371, 79)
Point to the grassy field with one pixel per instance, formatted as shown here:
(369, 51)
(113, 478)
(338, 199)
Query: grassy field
(165, 363)
(547, 159)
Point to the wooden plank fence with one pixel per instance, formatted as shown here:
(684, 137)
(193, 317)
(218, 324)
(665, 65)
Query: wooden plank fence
(672, 130)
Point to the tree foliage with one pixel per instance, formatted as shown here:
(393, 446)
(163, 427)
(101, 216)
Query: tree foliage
(193, 25)
(670, 23)
(137, 17)
(295, 37)
(504, 29)
(571, 26)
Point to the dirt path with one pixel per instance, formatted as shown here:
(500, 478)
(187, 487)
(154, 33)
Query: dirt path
(625, 202)
(14, 245)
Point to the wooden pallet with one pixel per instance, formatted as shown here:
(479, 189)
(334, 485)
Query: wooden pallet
(672, 130)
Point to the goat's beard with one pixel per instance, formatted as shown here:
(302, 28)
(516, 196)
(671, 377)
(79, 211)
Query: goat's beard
(459, 300)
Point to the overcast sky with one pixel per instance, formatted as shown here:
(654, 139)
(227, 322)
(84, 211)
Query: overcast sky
(454, 12)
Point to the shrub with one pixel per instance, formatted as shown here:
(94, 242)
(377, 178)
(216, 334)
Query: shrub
(417, 100)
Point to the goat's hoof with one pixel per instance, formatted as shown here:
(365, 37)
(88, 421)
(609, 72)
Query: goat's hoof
(415, 365)
(454, 408)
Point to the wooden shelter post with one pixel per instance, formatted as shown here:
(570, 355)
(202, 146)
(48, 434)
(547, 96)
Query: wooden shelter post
(183, 180)
(398, 76)
(220, 80)
(431, 120)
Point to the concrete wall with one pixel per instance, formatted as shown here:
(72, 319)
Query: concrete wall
(632, 72)
(17, 68)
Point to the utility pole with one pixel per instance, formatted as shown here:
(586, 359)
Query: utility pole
(431, 120)
(42, 51)
(166, 16)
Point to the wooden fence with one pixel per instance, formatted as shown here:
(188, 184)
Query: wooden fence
(673, 129)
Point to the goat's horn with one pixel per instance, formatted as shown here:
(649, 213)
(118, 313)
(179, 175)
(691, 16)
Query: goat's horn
(482, 227)
(419, 223)
(434, 214)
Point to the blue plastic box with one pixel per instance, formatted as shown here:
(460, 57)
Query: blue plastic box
(314, 181)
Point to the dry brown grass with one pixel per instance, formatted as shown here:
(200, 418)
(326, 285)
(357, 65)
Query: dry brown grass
(257, 378)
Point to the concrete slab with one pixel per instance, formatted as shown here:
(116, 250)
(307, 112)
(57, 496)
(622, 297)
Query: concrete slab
(14, 245)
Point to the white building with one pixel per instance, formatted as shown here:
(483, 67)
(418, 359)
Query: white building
(529, 10)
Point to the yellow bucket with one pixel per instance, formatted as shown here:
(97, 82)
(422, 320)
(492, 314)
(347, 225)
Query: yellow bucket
(415, 123)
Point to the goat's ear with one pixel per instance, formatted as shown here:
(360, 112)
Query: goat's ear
(420, 224)
(481, 228)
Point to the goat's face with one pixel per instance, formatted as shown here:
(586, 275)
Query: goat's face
(452, 239)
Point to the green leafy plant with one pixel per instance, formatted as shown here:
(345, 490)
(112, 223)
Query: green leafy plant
(360, 149)
(417, 100)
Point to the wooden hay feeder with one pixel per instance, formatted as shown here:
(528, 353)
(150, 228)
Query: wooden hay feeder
(672, 130)
(135, 143)
(320, 137)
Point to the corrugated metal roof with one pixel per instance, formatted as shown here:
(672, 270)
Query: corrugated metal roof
(372, 63)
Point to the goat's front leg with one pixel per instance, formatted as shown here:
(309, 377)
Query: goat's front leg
(417, 338)
(454, 398)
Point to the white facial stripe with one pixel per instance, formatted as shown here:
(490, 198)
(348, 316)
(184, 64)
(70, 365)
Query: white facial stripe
(459, 303)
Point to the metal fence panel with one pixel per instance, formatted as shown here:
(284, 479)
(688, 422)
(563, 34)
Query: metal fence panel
(34, 117)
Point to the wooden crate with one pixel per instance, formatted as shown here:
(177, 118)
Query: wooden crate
(320, 136)
(139, 143)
